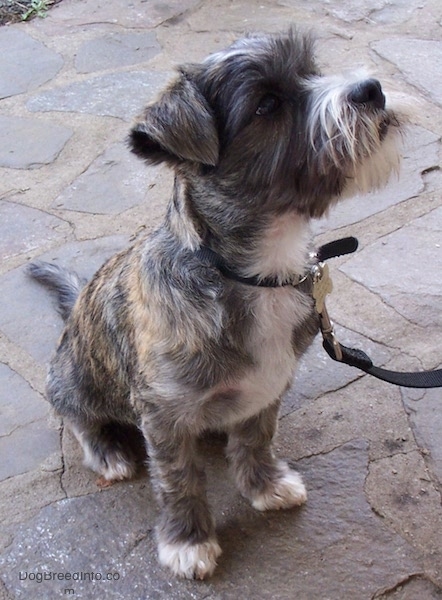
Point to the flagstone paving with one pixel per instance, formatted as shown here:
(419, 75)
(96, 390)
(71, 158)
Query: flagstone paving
(70, 192)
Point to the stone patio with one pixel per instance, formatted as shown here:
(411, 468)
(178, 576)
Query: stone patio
(370, 453)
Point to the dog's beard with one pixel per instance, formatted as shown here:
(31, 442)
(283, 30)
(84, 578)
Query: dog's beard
(359, 140)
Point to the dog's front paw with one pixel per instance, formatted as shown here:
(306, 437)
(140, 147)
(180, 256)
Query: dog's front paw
(192, 561)
(286, 492)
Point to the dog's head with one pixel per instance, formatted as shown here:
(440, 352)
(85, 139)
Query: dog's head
(257, 120)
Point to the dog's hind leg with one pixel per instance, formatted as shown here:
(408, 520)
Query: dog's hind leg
(267, 482)
(110, 449)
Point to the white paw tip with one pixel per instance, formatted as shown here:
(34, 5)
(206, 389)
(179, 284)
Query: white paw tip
(191, 561)
(113, 467)
(287, 492)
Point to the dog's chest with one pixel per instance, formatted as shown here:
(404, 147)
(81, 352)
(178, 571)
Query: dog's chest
(276, 314)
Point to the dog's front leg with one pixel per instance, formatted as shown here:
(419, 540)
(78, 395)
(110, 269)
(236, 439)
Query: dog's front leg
(268, 483)
(186, 531)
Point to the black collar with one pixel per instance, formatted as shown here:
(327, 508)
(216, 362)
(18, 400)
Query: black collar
(336, 248)
(208, 256)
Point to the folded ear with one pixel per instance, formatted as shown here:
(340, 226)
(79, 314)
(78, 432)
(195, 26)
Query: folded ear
(179, 126)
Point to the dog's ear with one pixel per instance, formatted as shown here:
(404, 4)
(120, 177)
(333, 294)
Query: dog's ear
(178, 127)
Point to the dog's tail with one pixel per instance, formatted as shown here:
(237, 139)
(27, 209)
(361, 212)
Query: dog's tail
(65, 285)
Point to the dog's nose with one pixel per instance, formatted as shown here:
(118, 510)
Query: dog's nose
(368, 92)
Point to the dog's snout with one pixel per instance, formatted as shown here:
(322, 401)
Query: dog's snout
(369, 93)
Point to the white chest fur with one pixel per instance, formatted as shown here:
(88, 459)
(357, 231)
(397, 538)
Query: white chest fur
(276, 312)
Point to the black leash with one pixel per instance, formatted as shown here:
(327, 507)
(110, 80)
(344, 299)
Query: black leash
(321, 285)
(346, 245)
(358, 358)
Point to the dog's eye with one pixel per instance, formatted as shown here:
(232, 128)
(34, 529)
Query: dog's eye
(268, 105)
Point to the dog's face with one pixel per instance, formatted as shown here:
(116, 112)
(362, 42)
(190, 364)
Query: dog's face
(259, 122)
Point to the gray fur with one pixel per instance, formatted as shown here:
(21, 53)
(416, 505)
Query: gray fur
(160, 341)
(64, 284)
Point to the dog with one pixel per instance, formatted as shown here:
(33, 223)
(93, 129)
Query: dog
(199, 326)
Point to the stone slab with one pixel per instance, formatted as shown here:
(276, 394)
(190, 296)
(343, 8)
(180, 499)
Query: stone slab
(23, 229)
(420, 153)
(26, 64)
(27, 447)
(23, 496)
(116, 181)
(365, 11)
(30, 143)
(318, 374)
(367, 409)
(412, 589)
(116, 50)
(400, 268)
(25, 439)
(401, 490)
(122, 95)
(19, 403)
(33, 309)
(409, 55)
(136, 14)
(3, 593)
(424, 410)
(246, 17)
(111, 532)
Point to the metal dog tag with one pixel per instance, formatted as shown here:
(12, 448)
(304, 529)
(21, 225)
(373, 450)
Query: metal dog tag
(322, 285)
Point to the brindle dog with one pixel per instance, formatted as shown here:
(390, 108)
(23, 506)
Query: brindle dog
(176, 341)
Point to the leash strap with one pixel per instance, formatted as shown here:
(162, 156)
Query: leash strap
(353, 356)
(345, 245)
(357, 358)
